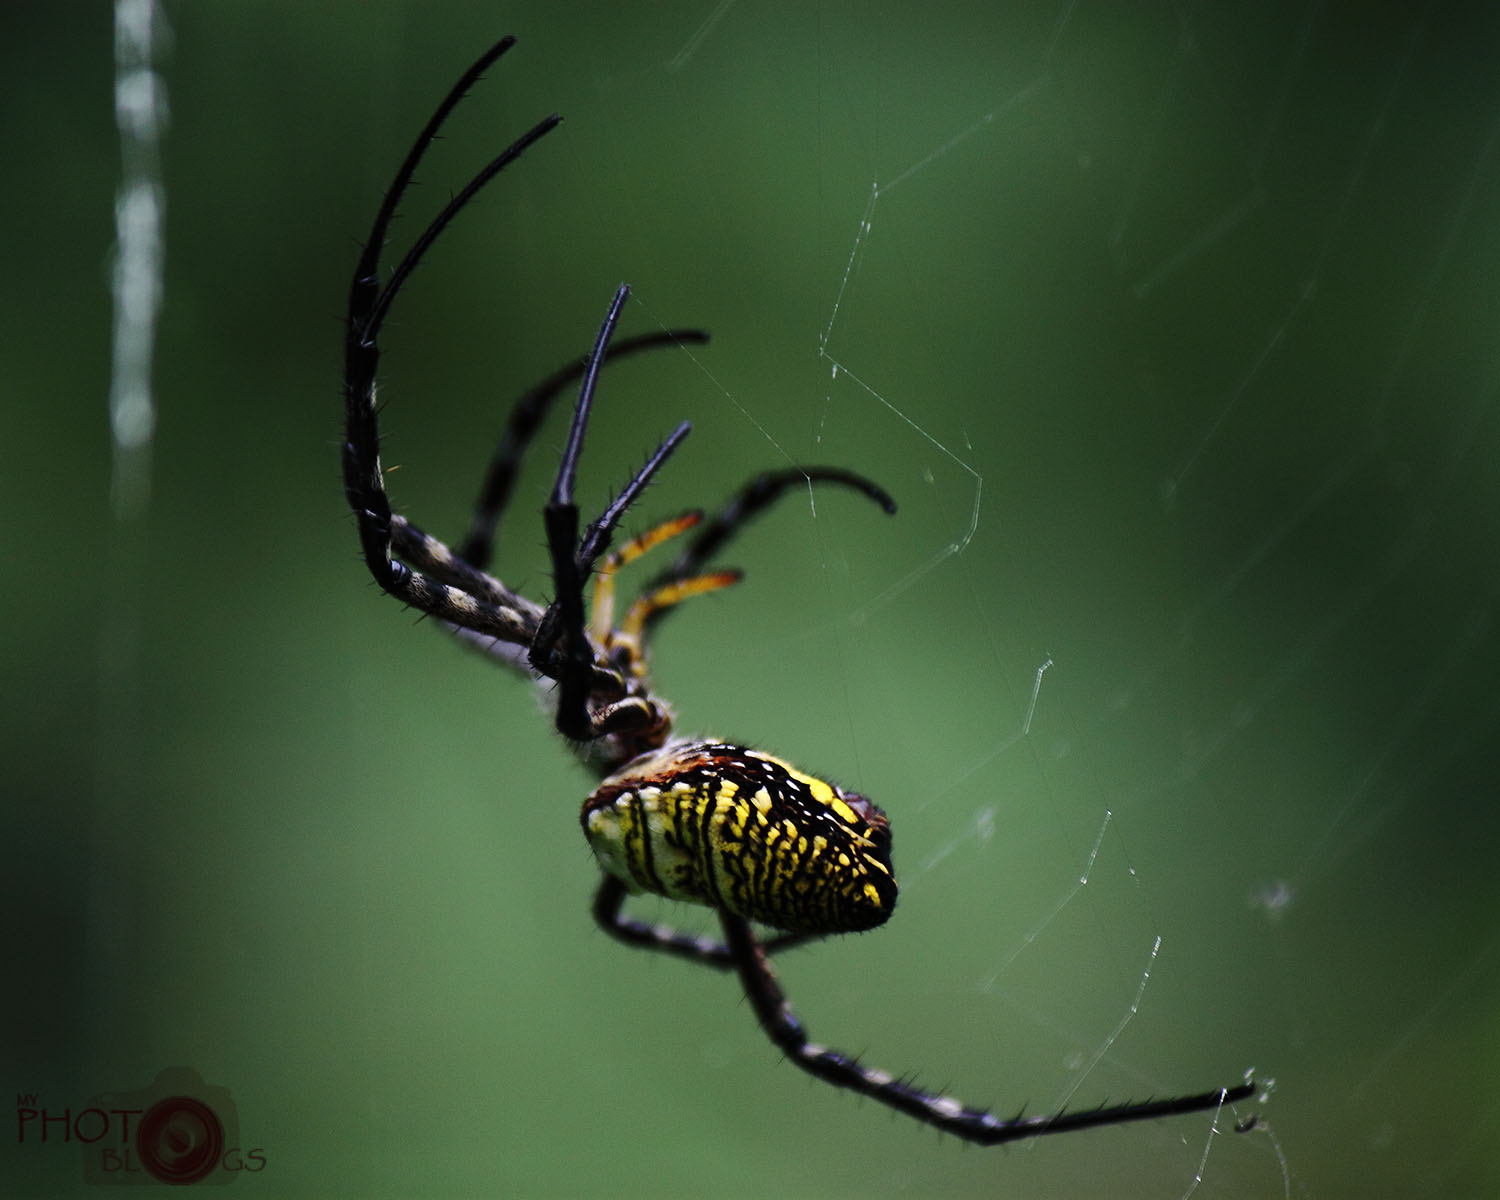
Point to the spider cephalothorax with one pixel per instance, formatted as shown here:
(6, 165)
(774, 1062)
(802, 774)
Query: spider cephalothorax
(698, 820)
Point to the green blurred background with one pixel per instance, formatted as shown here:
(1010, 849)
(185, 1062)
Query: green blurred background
(1174, 331)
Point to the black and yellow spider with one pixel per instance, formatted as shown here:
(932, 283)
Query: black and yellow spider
(693, 819)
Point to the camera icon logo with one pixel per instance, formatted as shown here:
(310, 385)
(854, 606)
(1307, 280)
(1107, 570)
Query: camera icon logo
(179, 1140)
(179, 1129)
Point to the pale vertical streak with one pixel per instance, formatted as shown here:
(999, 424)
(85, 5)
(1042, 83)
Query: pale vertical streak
(117, 849)
(140, 115)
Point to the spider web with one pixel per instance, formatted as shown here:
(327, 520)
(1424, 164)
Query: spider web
(1069, 921)
(1173, 333)
(1261, 268)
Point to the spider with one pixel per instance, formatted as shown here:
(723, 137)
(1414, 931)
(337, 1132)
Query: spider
(693, 819)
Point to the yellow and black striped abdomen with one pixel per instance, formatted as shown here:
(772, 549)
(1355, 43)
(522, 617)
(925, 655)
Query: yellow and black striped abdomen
(736, 829)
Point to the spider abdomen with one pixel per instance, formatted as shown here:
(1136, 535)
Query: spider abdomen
(736, 829)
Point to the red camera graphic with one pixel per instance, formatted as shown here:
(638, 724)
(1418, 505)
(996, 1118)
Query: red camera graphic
(177, 1130)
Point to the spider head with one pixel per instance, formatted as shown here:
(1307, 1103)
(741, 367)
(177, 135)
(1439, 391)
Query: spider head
(735, 829)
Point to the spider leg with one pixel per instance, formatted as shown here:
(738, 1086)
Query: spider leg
(971, 1124)
(609, 903)
(752, 499)
(573, 557)
(434, 558)
(647, 608)
(364, 481)
(602, 624)
(526, 415)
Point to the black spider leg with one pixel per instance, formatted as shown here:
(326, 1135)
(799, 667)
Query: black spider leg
(971, 1124)
(609, 904)
(753, 498)
(526, 415)
(433, 557)
(573, 561)
(481, 609)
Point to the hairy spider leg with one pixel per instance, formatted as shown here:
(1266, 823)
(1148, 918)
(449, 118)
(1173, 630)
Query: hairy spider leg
(753, 497)
(668, 595)
(484, 610)
(628, 633)
(608, 910)
(972, 1124)
(433, 557)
